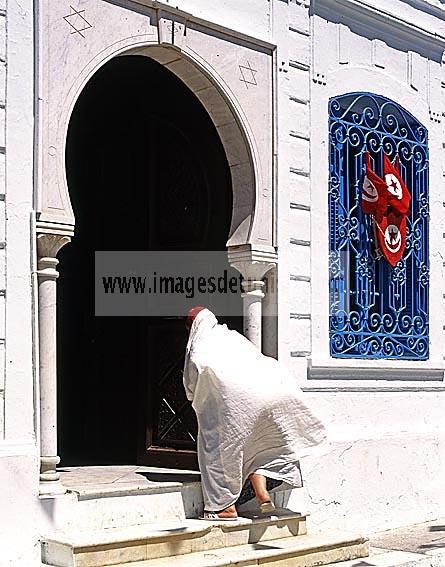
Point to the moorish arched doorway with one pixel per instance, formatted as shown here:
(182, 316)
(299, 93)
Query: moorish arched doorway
(146, 170)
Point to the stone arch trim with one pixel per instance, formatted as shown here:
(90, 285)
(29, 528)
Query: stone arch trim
(245, 131)
(240, 72)
(232, 130)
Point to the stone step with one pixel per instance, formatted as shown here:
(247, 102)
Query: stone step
(102, 498)
(302, 551)
(394, 558)
(120, 497)
(141, 543)
(127, 507)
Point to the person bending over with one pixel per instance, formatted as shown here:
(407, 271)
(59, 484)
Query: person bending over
(253, 422)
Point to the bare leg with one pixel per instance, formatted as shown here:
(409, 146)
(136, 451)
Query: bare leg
(260, 487)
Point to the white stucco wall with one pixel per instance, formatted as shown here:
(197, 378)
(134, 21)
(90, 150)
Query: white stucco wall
(383, 467)
(18, 448)
(252, 17)
(2, 211)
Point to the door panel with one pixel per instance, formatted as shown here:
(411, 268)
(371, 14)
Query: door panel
(171, 427)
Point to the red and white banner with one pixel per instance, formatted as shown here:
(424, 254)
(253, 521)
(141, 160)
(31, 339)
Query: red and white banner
(388, 201)
(374, 191)
(391, 236)
(399, 196)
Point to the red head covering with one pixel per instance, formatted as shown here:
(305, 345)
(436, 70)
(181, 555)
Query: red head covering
(191, 315)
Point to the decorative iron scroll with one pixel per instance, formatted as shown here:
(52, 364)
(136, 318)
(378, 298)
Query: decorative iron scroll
(376, 311)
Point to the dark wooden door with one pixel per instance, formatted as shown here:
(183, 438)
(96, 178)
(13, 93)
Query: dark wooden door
(190, 201)
(168, 425)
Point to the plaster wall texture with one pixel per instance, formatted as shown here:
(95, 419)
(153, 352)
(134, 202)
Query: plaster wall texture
(16, 197)
(375, 484)
(19, 517)
(252, 17)
(331, 52)
(22, 519)
(347, 61)
(384, 462)
(2, 213)
(386, 427)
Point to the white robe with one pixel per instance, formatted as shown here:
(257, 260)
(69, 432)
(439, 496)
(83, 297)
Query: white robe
(251, 414)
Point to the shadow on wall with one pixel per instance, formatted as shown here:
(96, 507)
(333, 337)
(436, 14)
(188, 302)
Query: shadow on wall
(338, 14)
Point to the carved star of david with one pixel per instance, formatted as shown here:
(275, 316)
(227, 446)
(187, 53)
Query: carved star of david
(176, 27)
(248, 75)
(77, 21)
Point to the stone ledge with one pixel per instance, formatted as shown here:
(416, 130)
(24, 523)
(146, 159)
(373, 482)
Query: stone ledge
(90, 492)
(385, 558)
(96, 482)
(157, 531)
(142, 543)
(147, 532)
(302, 551)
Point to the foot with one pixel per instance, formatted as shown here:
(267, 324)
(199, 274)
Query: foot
(260, 487)
(229, 512)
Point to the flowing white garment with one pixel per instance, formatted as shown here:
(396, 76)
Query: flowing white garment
(251, 414)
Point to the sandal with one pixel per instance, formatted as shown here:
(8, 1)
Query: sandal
(267, 507)
(213, 516)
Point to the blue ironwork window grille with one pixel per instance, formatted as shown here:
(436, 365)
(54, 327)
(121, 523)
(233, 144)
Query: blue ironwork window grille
(376, 311)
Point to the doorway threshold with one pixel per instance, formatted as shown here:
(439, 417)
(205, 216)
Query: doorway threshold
(108, 497)
(125, 480)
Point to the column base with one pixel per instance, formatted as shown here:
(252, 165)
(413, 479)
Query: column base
(51, 488)
(49, 477)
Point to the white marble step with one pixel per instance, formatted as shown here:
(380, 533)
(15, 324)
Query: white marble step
(394, 558)
(302, 551)
(102, 498)
(141, 543)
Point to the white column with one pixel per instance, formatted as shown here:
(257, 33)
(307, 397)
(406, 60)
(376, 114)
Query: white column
(252, 310)
(253, 271)
(48, 245)
(270, 315)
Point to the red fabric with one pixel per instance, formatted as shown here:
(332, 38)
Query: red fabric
(191, 315)
(388, 201)
(374, 191)
(398, 195)
(391, 236)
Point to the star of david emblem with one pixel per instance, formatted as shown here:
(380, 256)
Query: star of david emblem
(248, 75)
(174, 28)
(76, 19)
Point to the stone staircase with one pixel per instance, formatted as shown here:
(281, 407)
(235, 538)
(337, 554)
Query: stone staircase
(138, 522)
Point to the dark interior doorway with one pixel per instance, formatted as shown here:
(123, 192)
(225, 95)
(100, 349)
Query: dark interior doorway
(146, 170)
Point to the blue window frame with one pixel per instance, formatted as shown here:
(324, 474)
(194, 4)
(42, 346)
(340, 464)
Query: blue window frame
(376, 311)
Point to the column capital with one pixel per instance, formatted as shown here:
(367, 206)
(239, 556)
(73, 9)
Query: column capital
(252, 263)
(49, 245)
